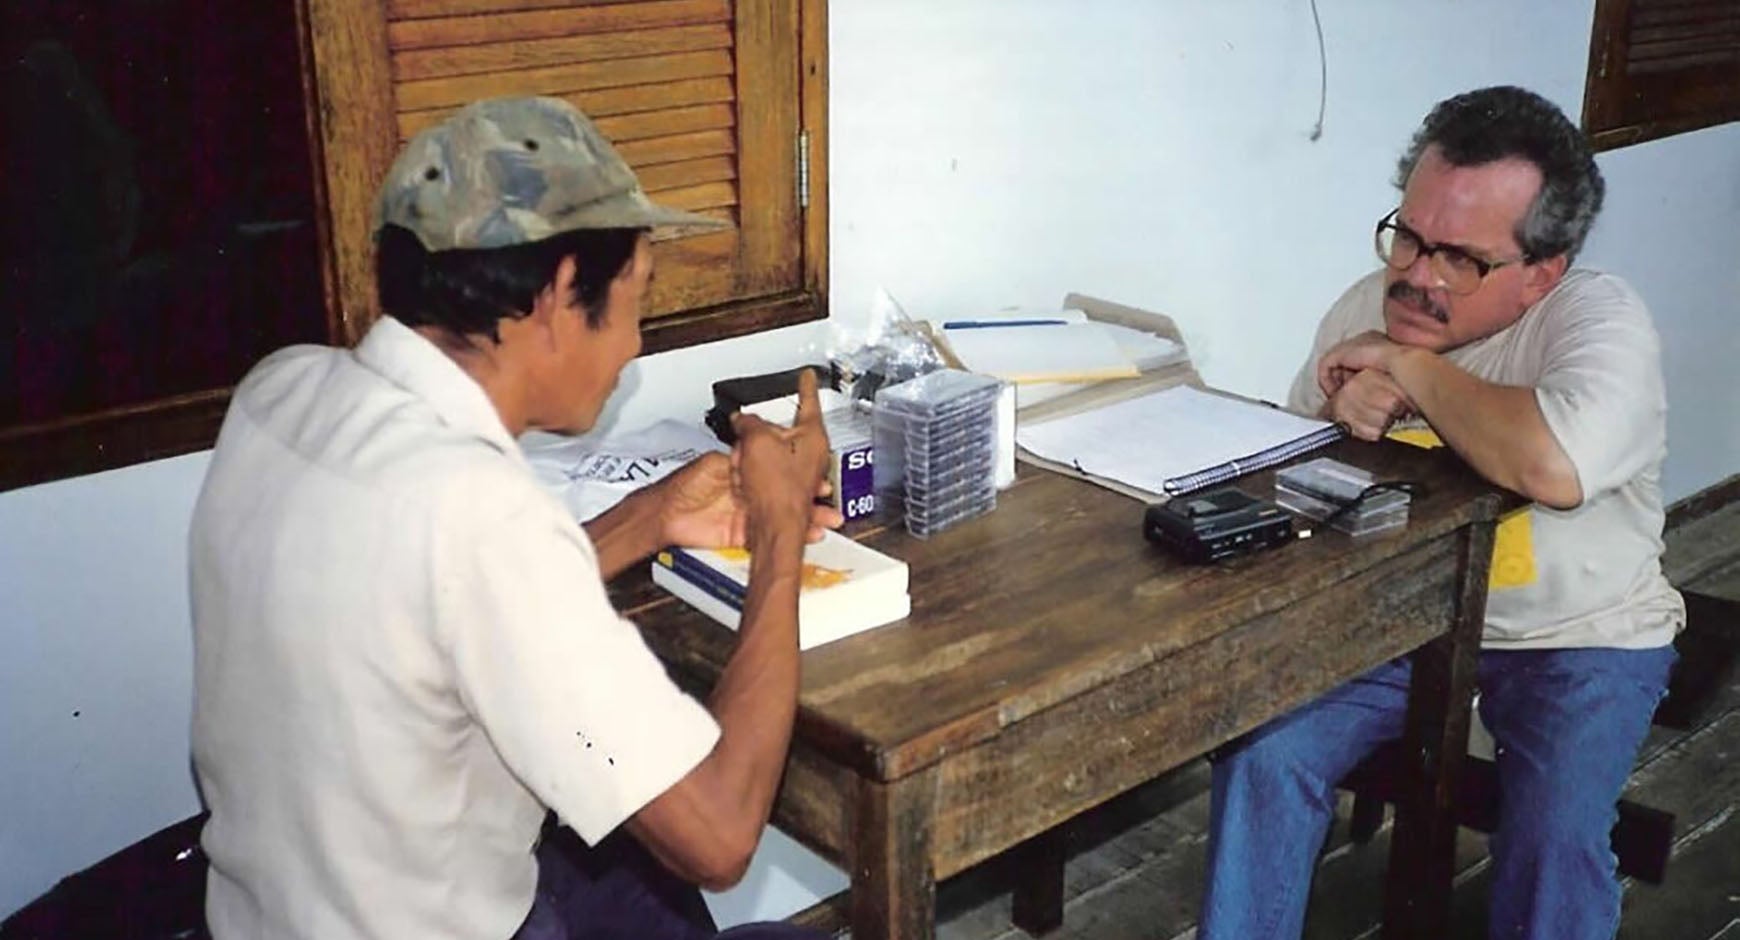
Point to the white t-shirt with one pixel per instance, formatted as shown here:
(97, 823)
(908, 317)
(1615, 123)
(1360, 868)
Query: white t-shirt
(403, 654)
(1592, 356)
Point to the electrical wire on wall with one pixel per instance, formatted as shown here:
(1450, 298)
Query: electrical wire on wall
(1322, 75)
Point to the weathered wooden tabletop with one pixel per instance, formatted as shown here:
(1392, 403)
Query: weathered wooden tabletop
(1054, 659)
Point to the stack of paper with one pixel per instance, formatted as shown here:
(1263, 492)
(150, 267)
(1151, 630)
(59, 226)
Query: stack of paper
(847, 587)
(1146, 350)
(1039, 350)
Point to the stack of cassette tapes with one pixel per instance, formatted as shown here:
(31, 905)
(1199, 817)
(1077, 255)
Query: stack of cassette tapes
(936, 448)
(1345, 495)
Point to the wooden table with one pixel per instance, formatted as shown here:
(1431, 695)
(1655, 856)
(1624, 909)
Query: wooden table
(1054, 659)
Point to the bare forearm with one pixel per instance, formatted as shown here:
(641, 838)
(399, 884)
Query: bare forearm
(706, 826)
(756, 697)
(627, 532)
(1498, 429)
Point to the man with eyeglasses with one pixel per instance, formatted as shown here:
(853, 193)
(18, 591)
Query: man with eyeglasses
(1546, 379)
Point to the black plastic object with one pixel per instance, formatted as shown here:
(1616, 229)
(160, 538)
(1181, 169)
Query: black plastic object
(731, 395)
(1209, 526)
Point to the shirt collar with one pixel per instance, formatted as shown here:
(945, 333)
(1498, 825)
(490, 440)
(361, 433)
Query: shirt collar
(402, 356)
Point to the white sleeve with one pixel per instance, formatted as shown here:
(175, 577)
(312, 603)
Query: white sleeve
(571, 697)
(1601, 389)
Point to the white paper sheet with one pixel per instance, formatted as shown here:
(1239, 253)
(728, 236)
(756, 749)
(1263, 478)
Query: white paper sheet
(593, 473)
(1144, 442)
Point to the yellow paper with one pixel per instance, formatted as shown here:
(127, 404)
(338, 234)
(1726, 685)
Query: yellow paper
(1419, 437)
(1513, 551)
(1513, 546)
(813, 576)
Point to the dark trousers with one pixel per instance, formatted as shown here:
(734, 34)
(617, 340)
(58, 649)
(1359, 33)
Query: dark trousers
(617, 891)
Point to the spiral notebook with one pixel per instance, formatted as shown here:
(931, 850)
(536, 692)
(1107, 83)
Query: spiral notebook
(1174, 441)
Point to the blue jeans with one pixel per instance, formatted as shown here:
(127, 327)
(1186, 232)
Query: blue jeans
(618, 891)
(1567, 724)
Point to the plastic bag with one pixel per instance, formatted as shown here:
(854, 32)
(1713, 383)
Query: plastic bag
(892, 348)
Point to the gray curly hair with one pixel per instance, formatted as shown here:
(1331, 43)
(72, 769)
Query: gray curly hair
(1479, 127)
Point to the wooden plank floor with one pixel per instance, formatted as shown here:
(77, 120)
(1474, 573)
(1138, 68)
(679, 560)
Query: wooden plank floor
(1136, 864)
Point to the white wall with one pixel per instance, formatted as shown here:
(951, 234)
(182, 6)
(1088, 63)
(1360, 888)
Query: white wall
(96, 668)
(1672, 227)
(989, 153)
(985, 153)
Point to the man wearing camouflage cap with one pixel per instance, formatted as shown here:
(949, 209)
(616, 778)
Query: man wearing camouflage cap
(404, 653)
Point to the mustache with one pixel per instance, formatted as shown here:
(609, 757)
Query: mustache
(1408, 293)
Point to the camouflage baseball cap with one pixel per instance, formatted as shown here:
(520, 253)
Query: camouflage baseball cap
(511, 170)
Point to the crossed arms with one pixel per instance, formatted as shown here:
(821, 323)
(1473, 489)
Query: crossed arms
(1370, 381)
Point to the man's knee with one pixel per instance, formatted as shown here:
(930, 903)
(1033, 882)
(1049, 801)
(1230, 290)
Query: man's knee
(1281, 763)
(1558, 815)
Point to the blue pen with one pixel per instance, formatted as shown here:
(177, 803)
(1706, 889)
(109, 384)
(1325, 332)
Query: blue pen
(985, 324)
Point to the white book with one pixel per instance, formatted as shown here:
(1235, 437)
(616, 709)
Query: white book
(847, 587)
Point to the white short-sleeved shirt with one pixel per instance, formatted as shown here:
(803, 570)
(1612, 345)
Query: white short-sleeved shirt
(403, 654)
(1592, 356)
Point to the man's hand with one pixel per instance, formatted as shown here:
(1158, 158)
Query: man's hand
(1367, 403)
(703, 509)
(1368, 350)
(706, 825)
(777, 471)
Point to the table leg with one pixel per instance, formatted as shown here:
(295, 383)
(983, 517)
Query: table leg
(1036, 904)
(1423, 854)
(893, 889)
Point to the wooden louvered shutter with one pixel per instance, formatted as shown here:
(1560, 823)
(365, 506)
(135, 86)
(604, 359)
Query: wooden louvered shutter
(713, 102)
(1661, 67)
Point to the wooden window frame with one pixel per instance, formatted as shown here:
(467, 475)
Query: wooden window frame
(110, 439)
(349, 112)
(71, 444)
(1622, 107)
(354, 91)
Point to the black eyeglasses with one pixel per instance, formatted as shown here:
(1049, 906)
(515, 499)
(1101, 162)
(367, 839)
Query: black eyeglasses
(1461, 272)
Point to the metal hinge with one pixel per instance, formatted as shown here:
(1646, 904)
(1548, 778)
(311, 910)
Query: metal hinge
(803, 169)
